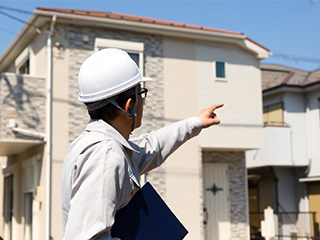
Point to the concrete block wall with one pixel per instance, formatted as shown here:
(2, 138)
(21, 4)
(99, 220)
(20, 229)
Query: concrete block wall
(237, 185)
(153, 67)
(22, 98)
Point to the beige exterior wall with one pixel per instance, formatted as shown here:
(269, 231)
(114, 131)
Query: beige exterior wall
(242, 113)
(60, 128)
(38, 55)
(183, 168)
(240, 92)
(190, 85)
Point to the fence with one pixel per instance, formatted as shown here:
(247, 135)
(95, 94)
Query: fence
(288, 226)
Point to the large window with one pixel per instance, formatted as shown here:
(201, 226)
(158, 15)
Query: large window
(273, 115)
(8, 207)
(134, 49)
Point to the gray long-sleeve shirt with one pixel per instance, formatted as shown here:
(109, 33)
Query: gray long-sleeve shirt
(101, 172)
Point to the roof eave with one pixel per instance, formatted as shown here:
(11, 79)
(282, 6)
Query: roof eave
(260, 51)
(174, 31)
(21, 41)
(40, 17)
(291, 88)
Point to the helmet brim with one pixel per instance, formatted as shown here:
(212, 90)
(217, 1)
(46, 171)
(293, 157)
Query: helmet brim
(147, 79)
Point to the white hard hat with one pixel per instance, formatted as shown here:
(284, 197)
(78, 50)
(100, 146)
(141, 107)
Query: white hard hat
(107, 73)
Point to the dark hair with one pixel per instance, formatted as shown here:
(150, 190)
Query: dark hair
(110, 112)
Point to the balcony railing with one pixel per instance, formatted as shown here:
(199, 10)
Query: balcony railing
(277, 148)
(288, 225)
(275, 124)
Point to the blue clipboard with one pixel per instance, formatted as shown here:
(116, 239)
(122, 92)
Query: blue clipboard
(147, 217)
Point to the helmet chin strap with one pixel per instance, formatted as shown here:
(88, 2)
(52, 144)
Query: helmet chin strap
(132, 113)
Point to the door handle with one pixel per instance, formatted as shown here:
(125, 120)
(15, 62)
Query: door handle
(214, 189)
(205, 216)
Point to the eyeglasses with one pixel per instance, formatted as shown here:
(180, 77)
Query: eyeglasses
(143, 93)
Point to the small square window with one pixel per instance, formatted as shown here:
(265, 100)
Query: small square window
(220, 70)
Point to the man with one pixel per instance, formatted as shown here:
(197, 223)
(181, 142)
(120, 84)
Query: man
(102, 167)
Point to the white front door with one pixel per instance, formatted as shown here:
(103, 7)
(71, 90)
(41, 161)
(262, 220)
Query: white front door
(216, 202)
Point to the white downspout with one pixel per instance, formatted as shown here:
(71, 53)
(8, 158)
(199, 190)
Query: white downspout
(309, 141)
(49, 129)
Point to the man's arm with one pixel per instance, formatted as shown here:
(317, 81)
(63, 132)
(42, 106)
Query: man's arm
(155, 147)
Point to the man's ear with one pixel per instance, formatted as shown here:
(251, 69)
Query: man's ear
(128, 105)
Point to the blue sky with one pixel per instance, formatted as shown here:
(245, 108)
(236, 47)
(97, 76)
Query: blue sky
(290, 29)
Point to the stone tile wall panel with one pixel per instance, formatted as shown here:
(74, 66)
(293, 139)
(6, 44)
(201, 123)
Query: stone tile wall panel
(22, 98)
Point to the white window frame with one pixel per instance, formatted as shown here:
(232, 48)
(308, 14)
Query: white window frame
(128, 46)
(219, 79)
(22, 58)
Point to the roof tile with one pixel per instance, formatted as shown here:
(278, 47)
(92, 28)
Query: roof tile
(132, 18)
(128, 17)
(276, 75)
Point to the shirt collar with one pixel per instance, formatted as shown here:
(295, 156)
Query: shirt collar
(103, 127)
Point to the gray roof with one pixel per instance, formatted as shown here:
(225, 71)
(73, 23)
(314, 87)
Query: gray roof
(274, 76)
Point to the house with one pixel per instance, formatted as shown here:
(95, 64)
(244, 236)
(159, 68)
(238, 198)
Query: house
(285, 173)
(204, 182)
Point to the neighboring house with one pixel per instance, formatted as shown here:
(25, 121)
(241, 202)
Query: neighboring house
(204, 182)
(285, 173)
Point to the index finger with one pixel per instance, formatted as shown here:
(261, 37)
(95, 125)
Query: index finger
(216, 106)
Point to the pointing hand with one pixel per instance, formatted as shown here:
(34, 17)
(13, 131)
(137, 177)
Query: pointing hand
(208, 117)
